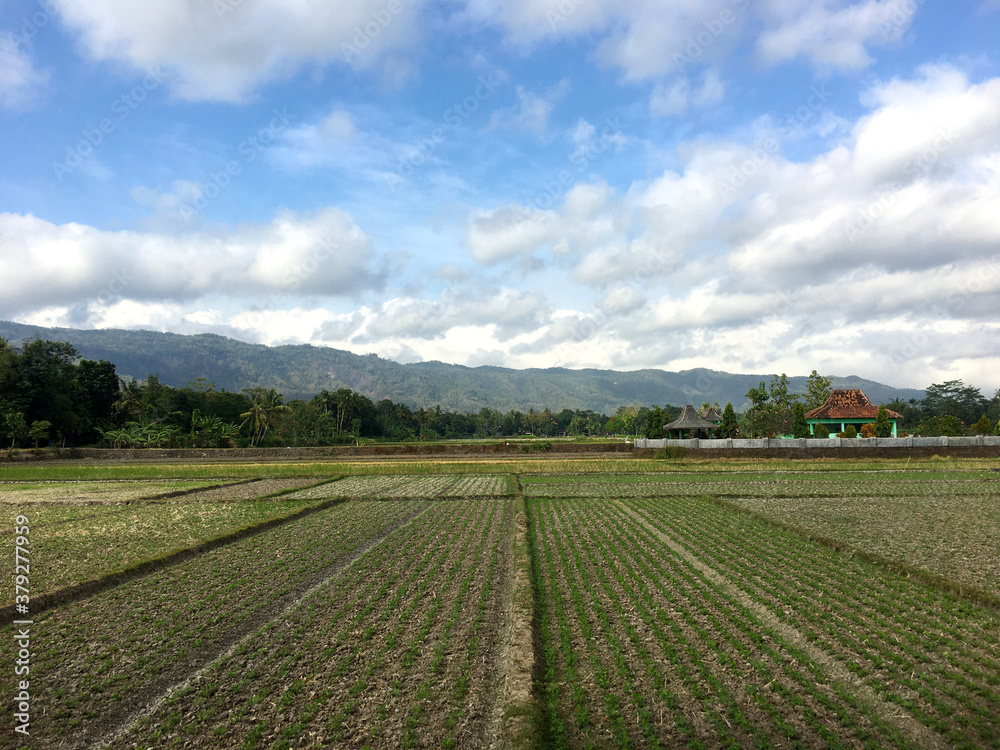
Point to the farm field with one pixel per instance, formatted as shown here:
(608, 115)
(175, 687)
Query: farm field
(664, 605)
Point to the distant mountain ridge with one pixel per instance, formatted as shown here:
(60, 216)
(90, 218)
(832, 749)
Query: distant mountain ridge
(300, 371)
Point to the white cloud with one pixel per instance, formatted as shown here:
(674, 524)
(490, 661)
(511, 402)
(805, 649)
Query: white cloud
(531, 113)
(583, 221)
(224, 50)
(21, 84)
(831, 37)
(650, 39)
(676, 99)
(46, 264)
(510, 231)
(505, 313)
(184, 193)
(884, 234)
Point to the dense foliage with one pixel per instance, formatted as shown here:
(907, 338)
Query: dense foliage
(50, 396)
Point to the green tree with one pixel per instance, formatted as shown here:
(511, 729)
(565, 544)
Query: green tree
(17, 428)
(39, 431)
(800, 427)
(761, 419)
(623, 421)
(954, 398)
(883, 427)
(654, 424)
(49, 390)
(267, 405)
(821, 431)
(101, 388)
(818, 389)
(946, 425)
(728, 427)
(910, 412)
(983, 426)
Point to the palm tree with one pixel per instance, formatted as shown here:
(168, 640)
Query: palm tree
(266, 406)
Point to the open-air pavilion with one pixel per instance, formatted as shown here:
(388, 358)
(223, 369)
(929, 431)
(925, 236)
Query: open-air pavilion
(689, 421)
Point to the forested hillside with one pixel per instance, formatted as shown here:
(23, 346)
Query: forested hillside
(303, 371)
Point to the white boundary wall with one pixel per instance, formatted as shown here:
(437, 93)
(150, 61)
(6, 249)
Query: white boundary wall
(764, 443)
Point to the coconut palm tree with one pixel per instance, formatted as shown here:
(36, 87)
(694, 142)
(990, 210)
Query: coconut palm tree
(266, 407)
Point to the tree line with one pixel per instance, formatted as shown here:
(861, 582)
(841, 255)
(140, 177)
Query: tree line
(50, 396)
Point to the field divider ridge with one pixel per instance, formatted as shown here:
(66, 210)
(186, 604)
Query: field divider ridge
(78, 591)
(915, 731)
(520, 714)
(276, 612)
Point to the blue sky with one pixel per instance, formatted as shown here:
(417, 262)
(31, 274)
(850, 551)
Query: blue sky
(746, 185)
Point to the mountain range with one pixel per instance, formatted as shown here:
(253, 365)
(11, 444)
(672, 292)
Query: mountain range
(300, 371)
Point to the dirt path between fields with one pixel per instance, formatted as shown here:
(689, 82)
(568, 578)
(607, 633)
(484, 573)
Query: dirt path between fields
(280, 609)
(511, 725)
(912, 729)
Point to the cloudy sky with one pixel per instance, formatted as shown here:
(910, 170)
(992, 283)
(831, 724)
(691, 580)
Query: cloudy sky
(746, 185)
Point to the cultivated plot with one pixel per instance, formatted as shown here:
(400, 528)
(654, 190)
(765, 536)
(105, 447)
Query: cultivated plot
(675, 620)
(957, 536)
(444, 486)
(126, 523)
(107, 656)
(401, 650)
(667, 610)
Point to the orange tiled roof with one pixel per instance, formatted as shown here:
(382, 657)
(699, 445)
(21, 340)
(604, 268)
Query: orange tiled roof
(848, 403)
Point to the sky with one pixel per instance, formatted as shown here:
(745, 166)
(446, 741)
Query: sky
(744, 185)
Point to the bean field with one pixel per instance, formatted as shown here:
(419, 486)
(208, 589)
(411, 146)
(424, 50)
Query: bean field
(511, 606)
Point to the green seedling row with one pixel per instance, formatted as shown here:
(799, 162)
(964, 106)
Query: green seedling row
(386, 655)
(930, 653)
(73, 545)
(107, 655)
(641, 648)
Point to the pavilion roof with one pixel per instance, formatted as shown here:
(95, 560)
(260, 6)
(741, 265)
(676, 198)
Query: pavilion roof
(712, 415)
(689, 420)
(848, 403)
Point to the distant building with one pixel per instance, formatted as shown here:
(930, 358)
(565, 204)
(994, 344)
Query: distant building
(689, 420)
(712, 415)
(847, 406)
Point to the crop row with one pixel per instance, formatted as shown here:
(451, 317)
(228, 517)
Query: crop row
(410, 487)
(930, 653)
(107, 654)
(395, 652)
(957, 537)
(640, 649)
(110, 538)
(26, 496)
(783, 488)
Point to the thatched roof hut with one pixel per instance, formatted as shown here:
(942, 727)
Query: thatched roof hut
(712, 415)
(688, 420)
